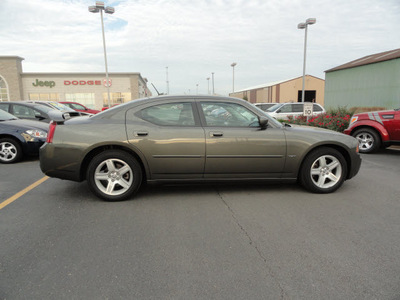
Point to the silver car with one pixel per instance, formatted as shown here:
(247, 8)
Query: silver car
(193, 139)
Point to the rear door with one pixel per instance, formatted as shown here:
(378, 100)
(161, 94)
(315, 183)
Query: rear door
(170, 137)
(236, 146)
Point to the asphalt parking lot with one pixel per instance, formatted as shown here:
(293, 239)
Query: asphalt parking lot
(242, 241)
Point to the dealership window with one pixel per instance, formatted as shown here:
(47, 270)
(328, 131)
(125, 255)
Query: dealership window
(116, 98)
(44, 97)
(87, 99)
(3, 90)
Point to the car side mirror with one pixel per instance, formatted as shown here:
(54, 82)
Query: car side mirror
(278, 111)
(263, 122)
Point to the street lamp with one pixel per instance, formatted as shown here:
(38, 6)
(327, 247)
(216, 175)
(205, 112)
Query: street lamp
(167, 81)
(212, 76)
(208, 84)
(99, 7)
(233, 76)
(309, 21)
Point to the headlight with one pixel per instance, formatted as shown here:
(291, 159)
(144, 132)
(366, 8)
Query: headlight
(31, 134)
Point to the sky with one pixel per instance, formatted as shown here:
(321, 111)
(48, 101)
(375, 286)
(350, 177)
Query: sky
(194, 38)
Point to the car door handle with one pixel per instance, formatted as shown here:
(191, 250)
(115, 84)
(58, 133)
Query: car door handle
(216, 134)
(140, 133)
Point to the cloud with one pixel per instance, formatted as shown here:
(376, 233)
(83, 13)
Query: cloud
(195, 38)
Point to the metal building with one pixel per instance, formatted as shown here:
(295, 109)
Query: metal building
(370, 81)
(288, 90)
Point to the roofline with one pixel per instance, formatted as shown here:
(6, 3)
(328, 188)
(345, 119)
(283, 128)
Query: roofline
(368, 60)
(262, 86)
(12, 56)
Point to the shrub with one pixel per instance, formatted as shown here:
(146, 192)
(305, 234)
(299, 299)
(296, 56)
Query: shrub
(337, 119)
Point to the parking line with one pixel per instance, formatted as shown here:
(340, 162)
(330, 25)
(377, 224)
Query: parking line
(23, 192)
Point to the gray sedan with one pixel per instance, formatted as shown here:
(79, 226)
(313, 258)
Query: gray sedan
(193, 139)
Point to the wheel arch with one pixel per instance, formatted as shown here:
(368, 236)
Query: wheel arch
(10, 136)
(95, 151)
(339, 148)
(379, 129)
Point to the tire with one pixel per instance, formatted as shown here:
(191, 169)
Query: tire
(114, 175)
(368, 140)
(323, 170)
(10, 151)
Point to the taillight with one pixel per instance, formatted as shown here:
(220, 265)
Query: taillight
(50, 134)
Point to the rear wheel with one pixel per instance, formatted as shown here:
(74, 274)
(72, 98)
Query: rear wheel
(10, 151)
(323, 171)
(114, 175)
(368, 140)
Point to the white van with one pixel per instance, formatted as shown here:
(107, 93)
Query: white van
(282, 111)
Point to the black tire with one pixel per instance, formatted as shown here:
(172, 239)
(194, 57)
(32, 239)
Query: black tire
(323, 170)
(10, 151)
(114, 175)
(368, 140)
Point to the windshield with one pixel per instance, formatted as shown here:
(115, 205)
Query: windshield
(274, 108)
(5, 116)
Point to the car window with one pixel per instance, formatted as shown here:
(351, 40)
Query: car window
(297, 108)
(24, 112)
(287, 108)
(171, 114)
(316, 107)
(274, 108)
(4, 106)
(76, 106)
(229, 115)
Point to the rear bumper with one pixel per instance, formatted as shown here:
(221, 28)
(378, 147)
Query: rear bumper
(53, 163)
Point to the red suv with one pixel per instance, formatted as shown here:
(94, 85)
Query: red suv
(79, 107)
(375, 129)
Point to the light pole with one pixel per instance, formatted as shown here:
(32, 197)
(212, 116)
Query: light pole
(197, 88)
(167, 81)
(213, 90)
(208, 84)
(99, 7)
(233, 76)
(309, 21)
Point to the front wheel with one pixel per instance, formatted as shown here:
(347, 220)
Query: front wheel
(10, 151)
(323, 171)
(114, 175)
(368, 140)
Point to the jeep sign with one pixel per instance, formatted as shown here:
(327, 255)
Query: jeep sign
(44, 83)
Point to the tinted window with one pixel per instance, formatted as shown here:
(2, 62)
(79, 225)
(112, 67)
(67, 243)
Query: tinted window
(171, 114)
(287, 108)
(228, 114)
(5, 106)
(316, 107)
(297, 107)
(23, 112)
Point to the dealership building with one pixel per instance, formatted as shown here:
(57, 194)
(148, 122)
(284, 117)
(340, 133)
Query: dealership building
(89, 89)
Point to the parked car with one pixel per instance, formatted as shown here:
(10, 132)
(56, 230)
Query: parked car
(282, 111)
(179, 138)
(60, 106)
(79, 107)
(264, 106)
(19, 138)
(375, 130)
(32, 111)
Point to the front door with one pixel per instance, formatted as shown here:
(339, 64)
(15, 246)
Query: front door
(236, 146)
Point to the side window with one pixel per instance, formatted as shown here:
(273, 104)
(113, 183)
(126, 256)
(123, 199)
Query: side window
(5, 106)
(297, 108)
(286, 108)
(229, 115)
(316, 107)
(23, 112)
(170, 114)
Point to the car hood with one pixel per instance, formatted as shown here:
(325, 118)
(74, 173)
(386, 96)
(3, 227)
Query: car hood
(303, 129)
(366, 115)
(24, 124)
